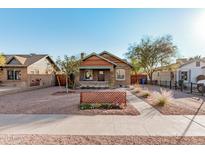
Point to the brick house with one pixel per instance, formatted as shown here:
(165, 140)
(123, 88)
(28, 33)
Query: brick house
(104, 70)
(28, 70)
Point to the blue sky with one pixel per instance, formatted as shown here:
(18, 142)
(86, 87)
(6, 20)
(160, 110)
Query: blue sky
(70, 31)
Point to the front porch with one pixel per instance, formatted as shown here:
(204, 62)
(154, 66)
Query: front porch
(94, 84)
(95, 77)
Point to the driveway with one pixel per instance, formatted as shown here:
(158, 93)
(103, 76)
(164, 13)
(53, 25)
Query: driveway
(6, 89)
(40, 101)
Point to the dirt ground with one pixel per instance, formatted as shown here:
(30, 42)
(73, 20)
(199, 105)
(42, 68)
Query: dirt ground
(98, 140)
(183, 103)
(50, 101)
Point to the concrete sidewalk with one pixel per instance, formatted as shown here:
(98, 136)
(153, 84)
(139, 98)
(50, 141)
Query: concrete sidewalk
(149, 123)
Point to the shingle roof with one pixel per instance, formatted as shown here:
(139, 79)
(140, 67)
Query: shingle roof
(123, 60)
(25, 59)
(94, 54)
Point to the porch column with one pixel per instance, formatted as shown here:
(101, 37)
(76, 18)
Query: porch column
(112, 77)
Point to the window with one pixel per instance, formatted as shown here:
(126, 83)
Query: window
(184, 75)
(32, 72)
(14, 75)
(120, 74)
(101, 72)
(198, 64)
(36, 71)
(88, 75)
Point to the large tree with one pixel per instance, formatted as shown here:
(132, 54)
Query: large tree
(135, 66)
(152, 53)
(70, 66)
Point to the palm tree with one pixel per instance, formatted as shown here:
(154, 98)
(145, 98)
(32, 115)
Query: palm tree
(70, 66)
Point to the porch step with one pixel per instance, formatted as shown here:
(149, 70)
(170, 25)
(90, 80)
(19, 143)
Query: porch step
(94, 84)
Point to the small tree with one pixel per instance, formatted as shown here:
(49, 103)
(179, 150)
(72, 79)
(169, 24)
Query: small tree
(70, 66)
(152, 53)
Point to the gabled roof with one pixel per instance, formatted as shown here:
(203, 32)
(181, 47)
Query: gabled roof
(169, 67)
(94, 54)
(191, 61)
(25, 59)
(124, 61)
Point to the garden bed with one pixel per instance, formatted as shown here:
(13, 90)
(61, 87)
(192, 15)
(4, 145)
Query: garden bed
(97, 140)
(182, 104)
(179, 108)
(128, 110)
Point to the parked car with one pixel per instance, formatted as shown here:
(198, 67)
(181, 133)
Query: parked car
(201, 85)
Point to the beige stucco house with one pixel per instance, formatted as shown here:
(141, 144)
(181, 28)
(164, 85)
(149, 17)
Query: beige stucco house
(169, 72)
(28, 70)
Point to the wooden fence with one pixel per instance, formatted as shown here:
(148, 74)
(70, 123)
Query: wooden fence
(61, 79)
(137, 78)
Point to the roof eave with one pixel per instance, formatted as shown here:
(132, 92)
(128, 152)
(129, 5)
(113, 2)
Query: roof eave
(106, 52)
(94, 54)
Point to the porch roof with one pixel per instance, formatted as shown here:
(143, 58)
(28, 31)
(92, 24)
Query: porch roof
(96, 67)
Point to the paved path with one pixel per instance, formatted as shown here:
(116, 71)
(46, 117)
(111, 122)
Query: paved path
(149, 123)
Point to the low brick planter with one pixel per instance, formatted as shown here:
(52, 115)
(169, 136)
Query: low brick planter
(117, 98)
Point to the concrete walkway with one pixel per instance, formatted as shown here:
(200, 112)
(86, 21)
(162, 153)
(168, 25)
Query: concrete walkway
(149, 123)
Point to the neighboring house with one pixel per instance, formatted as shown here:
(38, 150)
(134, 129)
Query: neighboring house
(104, 70)
(28, 70)
(189, 71)
(169, 72)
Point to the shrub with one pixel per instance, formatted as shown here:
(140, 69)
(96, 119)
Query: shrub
(86, 106)
(138, 88)
(132, 88)
(161, 98)
(145, 93)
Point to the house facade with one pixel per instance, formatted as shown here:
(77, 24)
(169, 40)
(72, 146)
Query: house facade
(104, 70)
(27, 70)
(190, 71)
(169, 72)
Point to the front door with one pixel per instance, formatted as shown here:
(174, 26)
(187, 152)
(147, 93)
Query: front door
(101, 76)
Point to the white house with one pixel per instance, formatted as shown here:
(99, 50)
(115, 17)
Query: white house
(188, 72)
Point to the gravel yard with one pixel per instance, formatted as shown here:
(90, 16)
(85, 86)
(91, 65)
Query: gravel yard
(183, 104)
(50, 101)
(117, 140)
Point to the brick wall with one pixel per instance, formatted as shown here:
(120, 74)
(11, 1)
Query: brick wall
(114, 97)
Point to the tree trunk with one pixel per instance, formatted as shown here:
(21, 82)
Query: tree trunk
(150, 77)
(67, 83)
